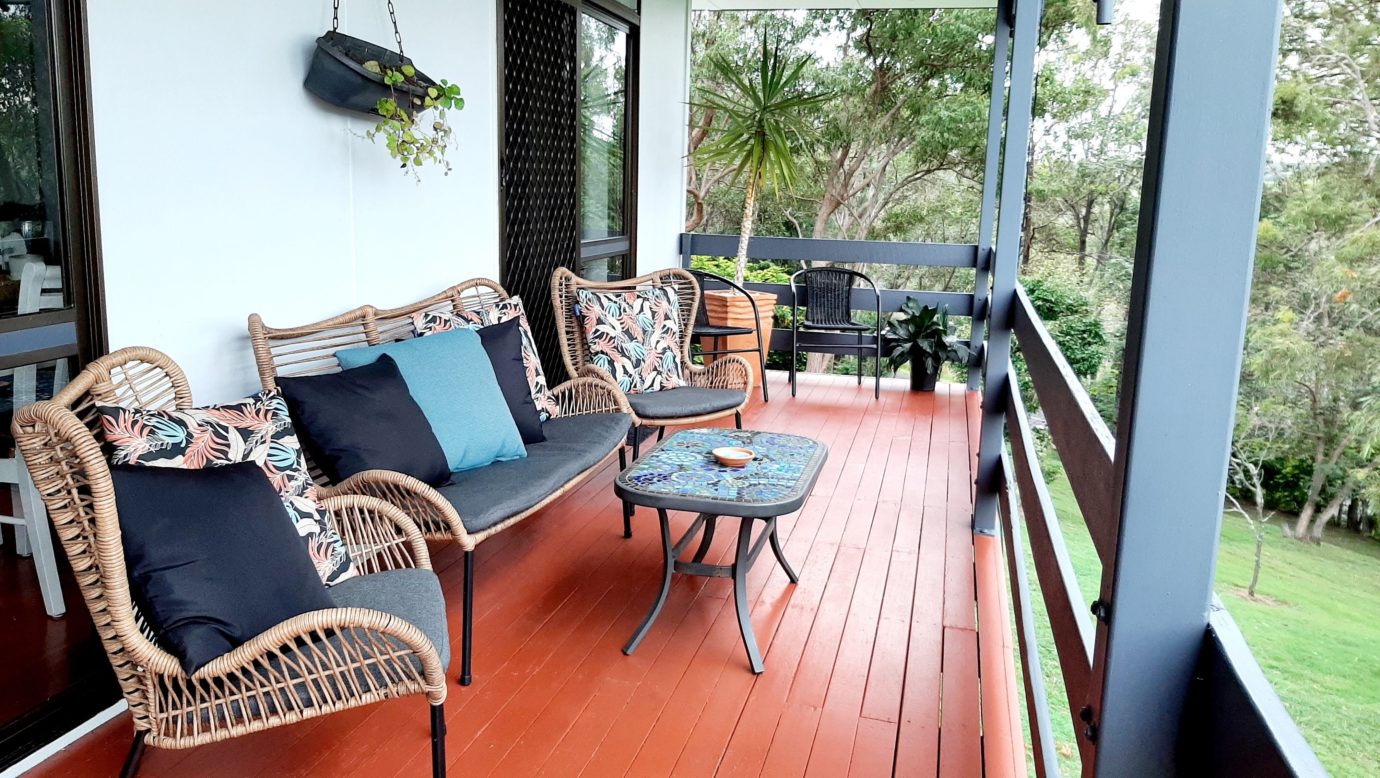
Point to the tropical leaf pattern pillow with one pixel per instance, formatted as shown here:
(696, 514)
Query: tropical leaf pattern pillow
(635, 336)
(431, 322)
(256, 429)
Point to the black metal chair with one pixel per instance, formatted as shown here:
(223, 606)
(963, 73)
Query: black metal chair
(829, 308)
(704, 331)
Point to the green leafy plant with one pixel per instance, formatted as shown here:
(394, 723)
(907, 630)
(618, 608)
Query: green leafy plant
(764, 122)
(410, 138)
(924, 333)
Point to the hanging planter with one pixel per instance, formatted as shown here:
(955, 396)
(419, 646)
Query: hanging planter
(360, 76)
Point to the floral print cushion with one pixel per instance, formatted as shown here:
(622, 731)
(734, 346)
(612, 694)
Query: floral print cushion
(256, 429)
(430, 322)
(635, 336)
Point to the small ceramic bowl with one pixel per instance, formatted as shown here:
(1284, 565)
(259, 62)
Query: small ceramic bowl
(732, 456)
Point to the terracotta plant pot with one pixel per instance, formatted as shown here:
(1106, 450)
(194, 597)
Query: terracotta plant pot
(727, 308)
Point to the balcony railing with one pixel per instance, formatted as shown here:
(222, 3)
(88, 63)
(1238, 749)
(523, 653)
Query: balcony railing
(1235, 722)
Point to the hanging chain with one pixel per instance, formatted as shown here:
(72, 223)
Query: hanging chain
(397, 35)
(392, 17)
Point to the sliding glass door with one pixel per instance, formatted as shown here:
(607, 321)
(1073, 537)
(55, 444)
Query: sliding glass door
(53, 672)
(606, 152)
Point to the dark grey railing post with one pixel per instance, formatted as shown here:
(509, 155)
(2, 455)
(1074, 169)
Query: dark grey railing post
(996, 114)
(997, 355)
(1209, 124)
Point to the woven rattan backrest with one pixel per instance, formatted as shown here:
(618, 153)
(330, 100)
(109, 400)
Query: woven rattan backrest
(564, 297)
(60, 440)
(310, 349)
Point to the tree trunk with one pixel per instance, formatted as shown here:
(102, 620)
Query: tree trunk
(1329, 513)
(1310, 505)
(745, 233)
(1259, 528)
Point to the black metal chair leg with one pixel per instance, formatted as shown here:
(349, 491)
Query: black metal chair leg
(877, 393)
(627, 519)
(660, 433)
(438, 741)
(637, 443)
(762, 362)
(738, 419)
(622, 457)
(467, 630)
(860, 358)
(136, 755)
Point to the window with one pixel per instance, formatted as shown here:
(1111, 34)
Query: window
(49, 322)
(606, 152)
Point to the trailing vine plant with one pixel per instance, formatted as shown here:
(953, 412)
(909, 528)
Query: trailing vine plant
(412, 140)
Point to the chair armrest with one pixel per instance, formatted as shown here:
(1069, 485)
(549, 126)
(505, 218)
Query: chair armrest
(378, 535)
(379, 648)
(580, 396)
(725, 372)
(426, 507)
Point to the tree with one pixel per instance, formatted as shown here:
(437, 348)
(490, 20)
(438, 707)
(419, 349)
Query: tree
(762, 126)
(1315, 329)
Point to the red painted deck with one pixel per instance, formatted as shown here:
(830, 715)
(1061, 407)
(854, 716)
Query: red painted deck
(891, 656)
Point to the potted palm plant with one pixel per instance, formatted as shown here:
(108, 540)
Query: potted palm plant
(763, 107)
(921, 335)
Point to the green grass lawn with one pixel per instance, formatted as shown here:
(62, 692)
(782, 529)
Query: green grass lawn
(1314, 627)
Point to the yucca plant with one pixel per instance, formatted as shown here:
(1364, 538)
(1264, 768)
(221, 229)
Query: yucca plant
(764, 123)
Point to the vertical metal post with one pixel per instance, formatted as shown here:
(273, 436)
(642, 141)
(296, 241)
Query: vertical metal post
(997, 355)
(1209, 123)
(996, 115)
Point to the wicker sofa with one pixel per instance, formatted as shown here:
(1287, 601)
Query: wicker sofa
(589, 427)
(377, 644)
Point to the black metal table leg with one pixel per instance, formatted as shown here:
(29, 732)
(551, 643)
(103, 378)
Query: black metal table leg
(780, 555)
(710, 523)
(669, 564)
(742, 562)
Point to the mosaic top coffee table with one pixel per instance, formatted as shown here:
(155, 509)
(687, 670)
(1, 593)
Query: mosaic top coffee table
(680, 474)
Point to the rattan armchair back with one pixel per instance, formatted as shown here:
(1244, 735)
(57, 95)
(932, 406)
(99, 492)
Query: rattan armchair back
(565, 286)
(285, 675)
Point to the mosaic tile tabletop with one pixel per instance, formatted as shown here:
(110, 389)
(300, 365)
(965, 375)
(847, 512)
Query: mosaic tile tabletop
(680, 473)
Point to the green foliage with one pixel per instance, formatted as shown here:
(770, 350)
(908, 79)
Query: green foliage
(1076, 330)
(409, 137)
(922, 333)
(759, 271)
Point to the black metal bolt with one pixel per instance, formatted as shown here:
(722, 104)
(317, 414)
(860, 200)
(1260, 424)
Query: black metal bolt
(1085, 714)
(1090, 732)
(1101, 611)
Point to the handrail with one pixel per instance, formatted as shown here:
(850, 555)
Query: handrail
(875, 252)
(1069, 621)
(1236, 723)
(1036, 700)
(1080, 435)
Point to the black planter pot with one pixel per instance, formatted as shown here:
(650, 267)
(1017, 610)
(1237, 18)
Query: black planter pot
(921, 380)
(338, 76)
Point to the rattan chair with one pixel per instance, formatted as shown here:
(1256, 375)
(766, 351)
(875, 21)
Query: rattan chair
(723, 386)
(310, 350)
(706, 331)
(828, 302)
(311, 665)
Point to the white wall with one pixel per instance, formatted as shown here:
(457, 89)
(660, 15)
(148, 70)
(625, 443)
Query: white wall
(226, 189)
(664, 94)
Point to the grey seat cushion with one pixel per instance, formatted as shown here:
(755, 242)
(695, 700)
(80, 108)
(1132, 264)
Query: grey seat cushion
(490, 494)
(412, 595)
(684, 401)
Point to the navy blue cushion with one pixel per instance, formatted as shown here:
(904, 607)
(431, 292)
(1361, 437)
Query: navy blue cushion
(684, 402)
(365, 419)
(503, 343)
(210, 558)
(451, 378)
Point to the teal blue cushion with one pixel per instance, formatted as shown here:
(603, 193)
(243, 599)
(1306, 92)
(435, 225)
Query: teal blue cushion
(451, 378)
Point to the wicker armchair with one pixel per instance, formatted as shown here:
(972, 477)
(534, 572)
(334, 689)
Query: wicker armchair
(727, 377)
(311, 665)
(310, 350)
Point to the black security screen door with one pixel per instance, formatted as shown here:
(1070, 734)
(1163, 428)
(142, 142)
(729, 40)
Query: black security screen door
(540, 164)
